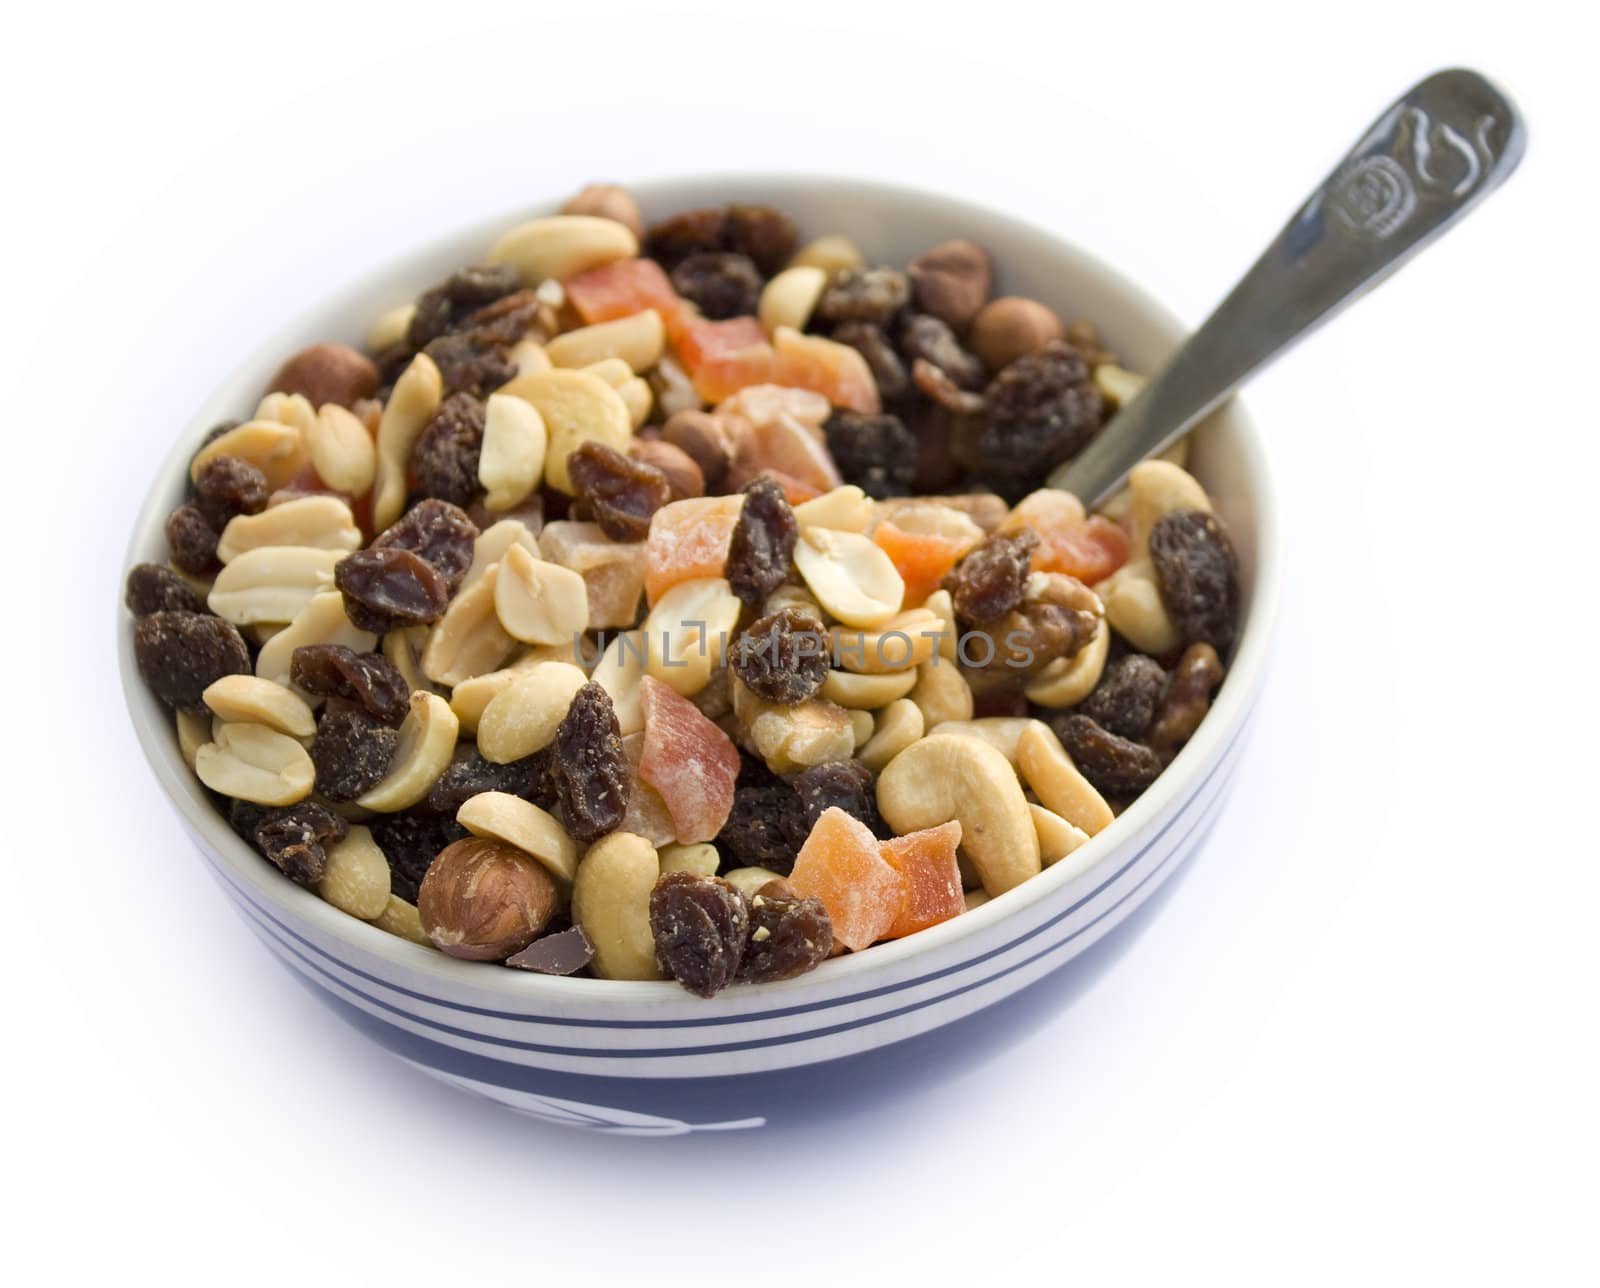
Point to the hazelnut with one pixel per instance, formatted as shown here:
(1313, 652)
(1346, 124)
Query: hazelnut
(951, 281)
(328, 373)
(483, 900)
(1012, 327)
(683, 475)
(706, 439)
(608, 201)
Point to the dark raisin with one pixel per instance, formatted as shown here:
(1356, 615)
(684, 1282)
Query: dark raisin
(846, 785)
(621, 493)
(789, 936)
(875, 452)
(229, 486)
(1124, 701)
(873, 344)
(766, 235)
(590, 770)
(295, 839)
(864, 295)
(445, 459)
(351, 751)
(782, 657)
(470, 363)
(471, 775)
(1198, 575)
(1117, 767)
(1039, 411)
(1187, 698)
(560, 952)
(388, 587)
(690, 233)
(182, 654)
(935, 384)
(767, 825)
(505, 321)
(700, 925)
(441, 308)
(988, 583)
(928, 338)
(723, 284)
(155, 588)
(438, 531)
(761, 549)
(245, 816)
(193, 540)
(410, 841)
(369, 679)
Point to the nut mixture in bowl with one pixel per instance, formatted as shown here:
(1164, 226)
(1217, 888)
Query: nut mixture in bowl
(680, 601)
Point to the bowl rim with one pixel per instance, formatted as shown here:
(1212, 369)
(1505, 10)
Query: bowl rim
(526, 990)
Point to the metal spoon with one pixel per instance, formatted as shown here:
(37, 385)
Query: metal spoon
(1428, 160)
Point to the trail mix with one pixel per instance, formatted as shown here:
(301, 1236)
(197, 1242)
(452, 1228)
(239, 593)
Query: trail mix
(677, 600)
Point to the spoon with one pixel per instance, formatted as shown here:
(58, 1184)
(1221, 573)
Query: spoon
(1429, 159)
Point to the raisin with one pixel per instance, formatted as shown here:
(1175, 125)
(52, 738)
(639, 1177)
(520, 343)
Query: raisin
(439, 532)
(294, 840)
(463, 779)
(988, 583)
(1187, 698)
(351, 751)
(445, 460)
(388, 587)
(723, 284)
(193, 540)
(229, 486)
(443, 307)
(926, 337)
(591, 772)
(182, 654)
(689, 233)
(767, 825)
(935, 384)
(1198, 575)
(368, 679)
(245, 816)
(700, 925)
(506, 320)
(1124, 701)
(782, 657)
(1040, 410)
(845, 784)
(864, 295)
(761, 549)
(471, 363)
(766, 235)
(410, 841)
(875, 452)
(621, 493)
(888, 372)
(155, 588)
(789, 936)
(1117, 767)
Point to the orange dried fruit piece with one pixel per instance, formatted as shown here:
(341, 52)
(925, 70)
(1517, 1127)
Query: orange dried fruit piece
(688, 540)
(688, 760)
(836, 371)
(842, 865)
(926, 861)
(924, 542)
(1088, 549)
(622, 289)
(725, 357)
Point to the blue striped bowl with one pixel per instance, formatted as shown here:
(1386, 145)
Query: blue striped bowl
(647, 1058)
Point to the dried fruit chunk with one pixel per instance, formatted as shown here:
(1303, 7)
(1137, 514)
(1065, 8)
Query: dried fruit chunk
(864, 295)
(926, 860)
(688, 541)
(1198, 575)
(989, 582)
(767, 824)
(699, 925)
(351, 752)
(690, 761)
(840, 784)
(483, 900)
(623, 289)
(723, 284)
(841, 864)
(591, 772)
(761, 546)
(1039, 411)
(1117, 767)
(440, 533)
(1124, 702)
(622, 493)
(192, 540)
(295, 840)
(155, 588)
(877, 453)
(613, 572)
(228, 486)
(782, 657)
(445, 459)
(181, 654)
(410, 840)
(834, 370)
(369, 679)
(789, 935)
(924, 542)
(389, 587)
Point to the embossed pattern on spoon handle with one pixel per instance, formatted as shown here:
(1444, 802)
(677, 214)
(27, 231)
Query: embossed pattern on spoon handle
(1429, 159)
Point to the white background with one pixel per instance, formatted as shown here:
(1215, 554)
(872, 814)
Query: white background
(1356, 1045)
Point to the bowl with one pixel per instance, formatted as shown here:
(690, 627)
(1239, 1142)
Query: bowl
(648, 1058)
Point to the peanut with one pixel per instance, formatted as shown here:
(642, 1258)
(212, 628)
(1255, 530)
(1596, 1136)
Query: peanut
(343, 452)
(401, 919)
(492, 544)
(194, 731)
(427, 741)
(468, 640)
(253, 763)
(390, 326)
(404, 648)
(941, 693)
(1057, 837)
(1048, 770)
(321, 621)
(850, 576)
(577, 407)
(867, 692)
(832, 254)
(521, 823)
(903, 643)
(637, 339)
(611, 902)
(814, 732)
(1159, 488)
(539, 602)
(523, 717)
(607, 201)
(789, 298)
(898, 726)
(562, 246)
(248, 699)
(845, 509)
(618, 672)
(612, 571)
(1134, 608)
(293, 410)
(271, 583)
(277, 450)
(318, 522)
(411, 406)
(356, 878)
(700, 858)
(860, 728)
(747, 881)
(511, 461)
(687, 632)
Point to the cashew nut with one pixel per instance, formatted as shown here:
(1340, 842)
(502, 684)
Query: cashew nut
(1047, 769)
(942, 693)
(903, 643)
(1160, 488)
(941, 778)
(860, 728)
(898, 726)
(521, 823)
(1133, 607)
(411, 406)
(611, 902)
(816, 732)
(427, 741)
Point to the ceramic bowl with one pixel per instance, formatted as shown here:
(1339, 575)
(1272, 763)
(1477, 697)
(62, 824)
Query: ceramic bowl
(648, 1058)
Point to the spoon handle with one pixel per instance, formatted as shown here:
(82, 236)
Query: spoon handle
(1429, 159)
